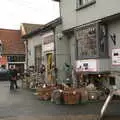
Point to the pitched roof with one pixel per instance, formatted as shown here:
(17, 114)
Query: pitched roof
(49, 26)
(27, 28)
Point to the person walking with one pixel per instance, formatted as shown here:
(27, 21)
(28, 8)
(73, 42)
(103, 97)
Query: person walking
(42, 72)
(13, 78)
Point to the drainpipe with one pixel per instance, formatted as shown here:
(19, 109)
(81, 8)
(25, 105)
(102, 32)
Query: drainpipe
(55, 52)
(26, 53)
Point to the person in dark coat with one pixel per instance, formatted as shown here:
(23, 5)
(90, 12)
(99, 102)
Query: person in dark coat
(13, 78)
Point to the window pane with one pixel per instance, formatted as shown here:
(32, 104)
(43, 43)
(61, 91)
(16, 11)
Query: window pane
(83, 2)
(102, 40)
(87, 41)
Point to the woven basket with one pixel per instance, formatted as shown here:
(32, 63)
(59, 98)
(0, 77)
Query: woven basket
(71, 97)
(45, 93)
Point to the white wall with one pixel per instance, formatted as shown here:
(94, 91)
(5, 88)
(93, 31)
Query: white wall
(114, 27)
(100, 9)
(73, 49)
(62, 52)
(32, 42)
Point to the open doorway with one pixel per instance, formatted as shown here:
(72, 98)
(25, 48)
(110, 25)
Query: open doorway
(49, 66)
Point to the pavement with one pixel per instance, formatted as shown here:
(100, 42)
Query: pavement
(23, 105)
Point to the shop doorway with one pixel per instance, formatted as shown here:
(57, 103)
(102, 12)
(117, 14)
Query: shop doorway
(49, 66)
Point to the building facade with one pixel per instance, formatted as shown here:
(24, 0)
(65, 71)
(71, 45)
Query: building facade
(41, 47)
(12, 49)
(91, 28)
(32, 45)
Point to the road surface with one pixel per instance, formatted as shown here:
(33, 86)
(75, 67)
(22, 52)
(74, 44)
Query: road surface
(23, 105)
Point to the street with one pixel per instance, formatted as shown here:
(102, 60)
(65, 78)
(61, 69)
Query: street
(22, 104)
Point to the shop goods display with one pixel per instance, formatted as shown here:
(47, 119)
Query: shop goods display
(83, 94)
(71, 96)
(93, 95)
(57, 96)
(92, 92)
(26, 82)
(45, 93)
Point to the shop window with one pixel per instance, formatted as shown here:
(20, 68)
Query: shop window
(86, 41)
(16, 58)
(92, 41)
(83, 3)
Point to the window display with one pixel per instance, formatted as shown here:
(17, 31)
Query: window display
(86, 39)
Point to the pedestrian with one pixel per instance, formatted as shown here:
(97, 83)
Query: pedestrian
(13, 78)
(42, 71)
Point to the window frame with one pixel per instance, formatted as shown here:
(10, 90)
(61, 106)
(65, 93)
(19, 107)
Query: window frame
(87, 4)
(98, 52)
(86, 27)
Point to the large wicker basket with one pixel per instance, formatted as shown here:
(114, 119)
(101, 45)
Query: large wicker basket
(71, 97)
(45, 93)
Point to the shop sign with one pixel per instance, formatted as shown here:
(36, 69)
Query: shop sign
(48, 47)
(115, 56)
(48, 39)
(87, 65)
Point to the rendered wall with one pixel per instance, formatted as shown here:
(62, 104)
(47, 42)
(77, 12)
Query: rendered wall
(100, 9)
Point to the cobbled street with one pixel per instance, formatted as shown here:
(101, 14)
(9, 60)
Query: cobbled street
(22, 104)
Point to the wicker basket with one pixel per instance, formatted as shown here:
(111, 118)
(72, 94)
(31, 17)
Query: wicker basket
(93, 95)
(71, 97)
(45, 93)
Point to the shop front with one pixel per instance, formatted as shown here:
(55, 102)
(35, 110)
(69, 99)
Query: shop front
(48, 52)
(92, 51)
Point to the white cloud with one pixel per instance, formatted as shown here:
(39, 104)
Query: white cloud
(14, 12)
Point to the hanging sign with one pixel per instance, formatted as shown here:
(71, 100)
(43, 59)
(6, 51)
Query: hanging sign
(115, 56)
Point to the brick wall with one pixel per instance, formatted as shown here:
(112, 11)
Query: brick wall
(11, 41)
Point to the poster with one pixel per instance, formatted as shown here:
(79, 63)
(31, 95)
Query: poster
(115, 56)
(87, 65)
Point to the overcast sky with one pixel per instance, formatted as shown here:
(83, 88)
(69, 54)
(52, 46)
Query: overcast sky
(15, 12)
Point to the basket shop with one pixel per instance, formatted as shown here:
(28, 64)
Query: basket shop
(69, 91)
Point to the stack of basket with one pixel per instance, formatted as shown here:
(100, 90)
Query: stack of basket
(45, 93)
(71, 96)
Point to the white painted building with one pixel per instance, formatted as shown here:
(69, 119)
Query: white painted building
(92, 31)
